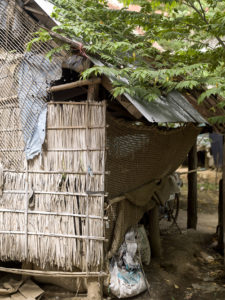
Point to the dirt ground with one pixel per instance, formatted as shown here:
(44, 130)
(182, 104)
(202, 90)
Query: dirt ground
(190, 267)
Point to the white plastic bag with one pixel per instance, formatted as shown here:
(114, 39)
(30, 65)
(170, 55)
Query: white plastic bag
(130, 258)
(143, 245)
(126, 277)
(124, 283)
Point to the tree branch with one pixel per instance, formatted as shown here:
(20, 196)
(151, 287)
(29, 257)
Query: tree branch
(73, 43)
(203, 17)
(202, 10)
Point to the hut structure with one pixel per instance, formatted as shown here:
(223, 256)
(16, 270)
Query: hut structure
(67, 148)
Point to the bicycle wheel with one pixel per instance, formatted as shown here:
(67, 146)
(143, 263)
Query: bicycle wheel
(168, 213)
(173, 208)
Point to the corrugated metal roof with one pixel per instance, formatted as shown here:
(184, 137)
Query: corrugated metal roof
(173, 108)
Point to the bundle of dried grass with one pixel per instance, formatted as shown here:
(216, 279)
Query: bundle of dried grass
(11, 139)
(52, 214)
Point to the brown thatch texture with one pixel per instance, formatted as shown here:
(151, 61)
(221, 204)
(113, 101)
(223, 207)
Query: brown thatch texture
(11, 139)
(58, 182)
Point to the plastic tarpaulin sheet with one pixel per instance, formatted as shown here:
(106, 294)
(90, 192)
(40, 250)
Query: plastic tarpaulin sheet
(35, 75)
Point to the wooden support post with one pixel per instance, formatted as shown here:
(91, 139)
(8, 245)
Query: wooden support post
(94, 286)
(223, 195)
(28, 266)
(220, 218)
(154, 233)
(93, 90)
(192, 189)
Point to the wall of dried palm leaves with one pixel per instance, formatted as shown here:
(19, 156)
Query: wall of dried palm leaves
(52, 209)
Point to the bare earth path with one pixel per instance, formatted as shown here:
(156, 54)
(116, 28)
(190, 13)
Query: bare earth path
(190, 268)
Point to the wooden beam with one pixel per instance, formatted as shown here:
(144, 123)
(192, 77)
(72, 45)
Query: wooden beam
(35, 11)
(192, 189)
(122, 99)
(76, 93)
(73, 85)
(129, 107)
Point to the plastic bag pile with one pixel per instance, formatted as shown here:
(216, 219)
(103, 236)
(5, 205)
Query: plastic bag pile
(127, 277)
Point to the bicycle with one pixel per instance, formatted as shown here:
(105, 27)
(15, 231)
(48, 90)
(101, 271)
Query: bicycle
(168, 213)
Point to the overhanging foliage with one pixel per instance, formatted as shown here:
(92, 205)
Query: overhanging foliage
(190, 33)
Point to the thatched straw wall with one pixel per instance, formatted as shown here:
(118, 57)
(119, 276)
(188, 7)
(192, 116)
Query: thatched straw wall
(11, 139)
(46, 215)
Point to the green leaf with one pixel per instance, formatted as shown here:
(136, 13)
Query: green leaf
(208, 93)
(180, 46)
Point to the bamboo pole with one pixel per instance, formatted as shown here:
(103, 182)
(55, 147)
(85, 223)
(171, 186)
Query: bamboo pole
(56, 172)
(33, 212)
(53, 150)
(54, 274)
(74, 103)
(26, 208)
(75, 84)
(83, 237)
(98, 286)
(103, 171)
(87, 184)
(94, 287)
(73, 150)
(75, 127)
(98, 194)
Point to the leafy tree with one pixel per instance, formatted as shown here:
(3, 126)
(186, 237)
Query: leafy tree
(191, 33)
